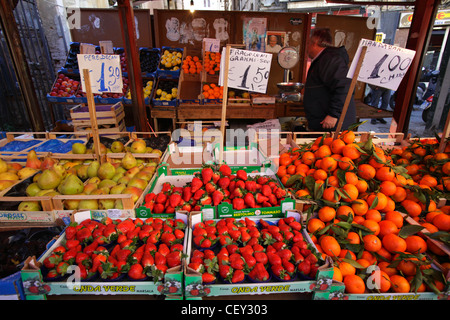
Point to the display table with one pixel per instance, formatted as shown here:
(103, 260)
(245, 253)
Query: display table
(263, 111)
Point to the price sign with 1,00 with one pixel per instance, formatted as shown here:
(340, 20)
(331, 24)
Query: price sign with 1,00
(383, 66)
(105, 72)
(247, 70)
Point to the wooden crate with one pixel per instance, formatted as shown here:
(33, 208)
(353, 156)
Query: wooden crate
(109, 117)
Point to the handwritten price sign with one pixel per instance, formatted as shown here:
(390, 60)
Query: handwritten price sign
(384, 65)
(105, 72)
(248, 70)
(211, 45)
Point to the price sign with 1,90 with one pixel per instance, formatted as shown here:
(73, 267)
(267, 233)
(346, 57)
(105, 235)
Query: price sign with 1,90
(383, 66)
(211, 45)
(105, 72)
(247, 70)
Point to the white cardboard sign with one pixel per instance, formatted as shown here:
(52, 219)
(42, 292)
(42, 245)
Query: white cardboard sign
(384, 65)
(211, 44)
(247, 70)
(105, 72)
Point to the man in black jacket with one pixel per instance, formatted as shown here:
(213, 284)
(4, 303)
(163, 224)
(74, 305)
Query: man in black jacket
(327, 84)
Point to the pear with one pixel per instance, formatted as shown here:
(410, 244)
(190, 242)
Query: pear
(33, 160)
(71, 204)
(3, 166)
(94, 180)
(88, 204)
(82, 171)
(105, 204)
(78, 148)
(129, 161)
(124, 180)
(117, 189)
(47, 163)
(26, 172)
(29, 206)
(138, 146)
(107, 184)
(71, 185)
(32, 189)
(59, 169)
(117, 176)
(9, 176)
(4, 184)
(117, 147)
(93, 168)
(44, 192)
(118, 204)
(89, 187)
(106, 171)
(49, 179)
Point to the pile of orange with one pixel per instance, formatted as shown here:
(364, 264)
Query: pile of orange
(362, 194)
(212, 91)
(192, 65)
(212, 62)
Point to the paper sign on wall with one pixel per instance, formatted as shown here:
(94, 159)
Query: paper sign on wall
(105, 72)
(384, 65)
(247, 70)
(211, 45)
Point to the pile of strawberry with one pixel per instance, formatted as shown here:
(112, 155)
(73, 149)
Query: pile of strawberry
(112, 249)
(245, 249)
(213, 186)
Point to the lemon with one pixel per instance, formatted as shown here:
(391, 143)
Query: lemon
(169, 96)
(158, 92)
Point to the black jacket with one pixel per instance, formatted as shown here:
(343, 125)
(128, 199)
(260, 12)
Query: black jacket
(326, 89)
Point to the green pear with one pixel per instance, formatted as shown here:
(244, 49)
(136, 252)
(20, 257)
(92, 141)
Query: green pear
(117, 189)
(118, 204)
(29, 206)
(82, 171)
(71, 185)
(117, 147)
(32, 189)
(93, 168)
(129, 161)
(117, 176)
(94, 180)
(49, 179)
(138, 146)
(78, 148)
(107, 184)
(88, 204)
(106, 171)
(105, 204)
(71, 204)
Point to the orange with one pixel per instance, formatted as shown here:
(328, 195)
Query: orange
(430, 227)
(387, 227)
(446, 168)
(385, 266)
(380, 198)
(327, 213)
(399, 194)
(330, 246)
(315, 224)
(344, 211)
(379, 280)
(358, 220)
(351, 192)
(345, 163)
(346, 268)
(412, 169)
(435, 249)
(407, 266)
(337, 145)
(369, 257)
(348, 136)
(308, 158)
(350, 151)
(384, 254)
(323, 151)
(372, 225)
(372, 243)
(362, 186)
(411, 207)
(396, 217)
(442, 222)
(388, 188)
(290, 169)
(430, 216)
(330, 194)
(302, 193)
(351, 178)
(320, 174)
(363, 262)
(385, 174)
(360, 207)
(353, 238)
(354, 284)
(428, 180)
(390, 205)
(329, 164)
(393, 243)
(333, 181)
(281, 171)
(366, 171)
(337, 275)
(415, 244)
(373, 214)
(347, 254)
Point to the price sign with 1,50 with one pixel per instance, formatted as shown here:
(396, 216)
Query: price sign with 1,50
(105, 72)
(247, 70)
(383, 66)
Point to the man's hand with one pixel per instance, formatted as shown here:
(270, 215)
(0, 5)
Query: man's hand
(329, 122)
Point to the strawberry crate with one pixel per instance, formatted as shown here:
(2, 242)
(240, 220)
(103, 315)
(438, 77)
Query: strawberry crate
(216, 281)
(56, 274)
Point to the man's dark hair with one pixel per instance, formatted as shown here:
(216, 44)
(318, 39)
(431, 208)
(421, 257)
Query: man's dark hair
(322, 37)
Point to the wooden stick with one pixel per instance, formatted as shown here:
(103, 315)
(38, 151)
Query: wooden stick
(445, 133)
(224, 103)
(350, 92)
(93, 114)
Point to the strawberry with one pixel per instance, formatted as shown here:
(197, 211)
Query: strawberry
(225, 170)
(223, 182)
(273, 258)
(241, 174)
(161, 197)
(285, 254)
(311, 258)
(250, 261)
(175, 199)
(71, 232)
(304, 267)
(237, 261)
(198, 194)
(272, 199)
(196, 184)
(217, 197)
(69, 256)
(52, 260)
(61, 268)
(295, 225)
(225, 271)
(238, 276)
(250, 185)
(173, 259)
(249, 200)
(238, 204)
(158, 208)
(82, 259)
(260, 198)
(280, 193)
(205, 200)
(261, 257)
(262, 180)
(208, 277)
(206, 174)
(187, 193)
(280, 272)
(289, 266)
(149, 197)
(84, 235)
(136, 272)
(210, 187)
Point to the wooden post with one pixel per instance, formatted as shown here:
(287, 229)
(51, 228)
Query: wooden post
(445, 134)
(93, 115)
(224, 103)
(350, 92)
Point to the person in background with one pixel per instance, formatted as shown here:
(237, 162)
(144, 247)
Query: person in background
(273, 46)
(327, 85)
(385, 95)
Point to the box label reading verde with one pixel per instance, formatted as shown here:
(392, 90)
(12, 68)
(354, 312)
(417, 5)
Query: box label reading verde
(103, 288)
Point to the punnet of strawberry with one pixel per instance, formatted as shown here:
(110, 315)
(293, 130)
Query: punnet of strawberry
(247, 250)
(214, 185)
(108, 250)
